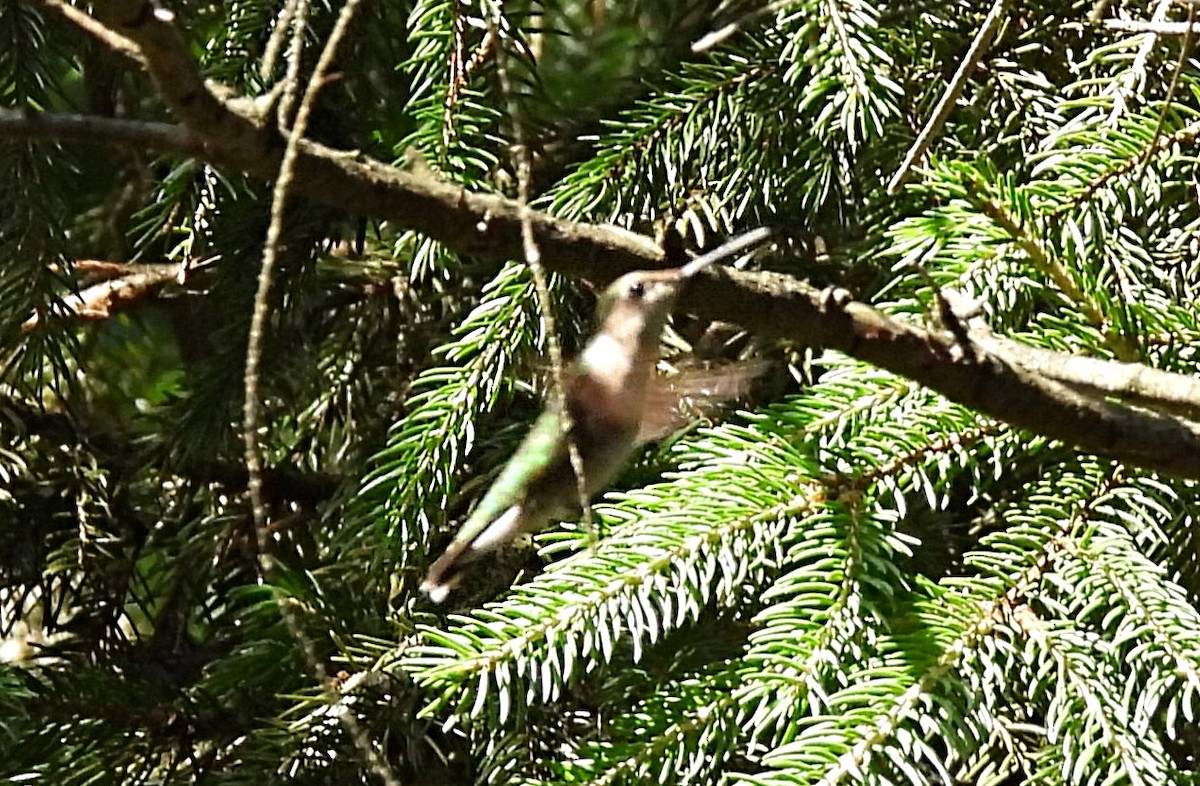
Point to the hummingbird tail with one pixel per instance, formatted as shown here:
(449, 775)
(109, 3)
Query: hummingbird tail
(446, 573)
(439, 592)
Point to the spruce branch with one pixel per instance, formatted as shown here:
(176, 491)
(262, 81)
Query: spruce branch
(1035, 249)
(489, 226)
(280, 482)
(1093, 185)
(769, 304)
(1111, 563)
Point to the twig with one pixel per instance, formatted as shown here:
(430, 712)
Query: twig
(254, 468)
(116, 42)
(1126, 86)
(1158, 28)
(958, 82)
(283, 23)
(459, 72)
(258, 320)
(1185, 50)
(101, 269)
(721, 34)
(533, 259)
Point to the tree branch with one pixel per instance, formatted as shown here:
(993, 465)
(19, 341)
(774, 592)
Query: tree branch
(102, 300)
(1131, 382)
(776, 305)
(933, 126)
(107, 131)
(122, 46)
(1158, 28)
(169, 60)
(238, 136)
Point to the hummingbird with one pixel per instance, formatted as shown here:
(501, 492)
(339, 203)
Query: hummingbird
(607, 392)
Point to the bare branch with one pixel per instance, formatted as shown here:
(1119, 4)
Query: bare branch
(485, 226)
(111, 132)
(101, 301)
(1158, 28)
(720, 35)
(119, 44)
(937, 119)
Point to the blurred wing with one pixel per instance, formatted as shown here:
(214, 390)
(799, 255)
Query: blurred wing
(672, 401)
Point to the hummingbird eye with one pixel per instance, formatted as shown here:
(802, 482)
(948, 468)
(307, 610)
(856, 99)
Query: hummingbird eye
(637, 289)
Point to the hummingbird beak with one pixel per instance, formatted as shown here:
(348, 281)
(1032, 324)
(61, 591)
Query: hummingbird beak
(727, 249)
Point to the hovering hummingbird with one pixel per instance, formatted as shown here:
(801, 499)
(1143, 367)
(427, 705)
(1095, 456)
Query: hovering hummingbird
(606, 391)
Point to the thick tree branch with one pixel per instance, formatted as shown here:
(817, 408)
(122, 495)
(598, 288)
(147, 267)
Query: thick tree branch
(776, 305)
(489, 227)
(1131, 382)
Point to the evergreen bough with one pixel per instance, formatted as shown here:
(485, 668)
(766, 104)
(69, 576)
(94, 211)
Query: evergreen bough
(852, 579)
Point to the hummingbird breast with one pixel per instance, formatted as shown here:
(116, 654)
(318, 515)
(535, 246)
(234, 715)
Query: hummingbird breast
(604, 429)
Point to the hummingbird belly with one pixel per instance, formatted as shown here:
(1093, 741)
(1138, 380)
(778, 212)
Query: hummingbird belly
(604, 452)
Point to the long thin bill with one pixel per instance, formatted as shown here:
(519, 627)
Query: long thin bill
(727, 249)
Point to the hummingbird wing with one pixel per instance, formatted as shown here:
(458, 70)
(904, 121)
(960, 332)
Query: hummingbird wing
(674, 400)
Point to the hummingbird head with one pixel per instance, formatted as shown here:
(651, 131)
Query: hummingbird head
(635, 307)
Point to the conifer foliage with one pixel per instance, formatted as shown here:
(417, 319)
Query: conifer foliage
(849, 577)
